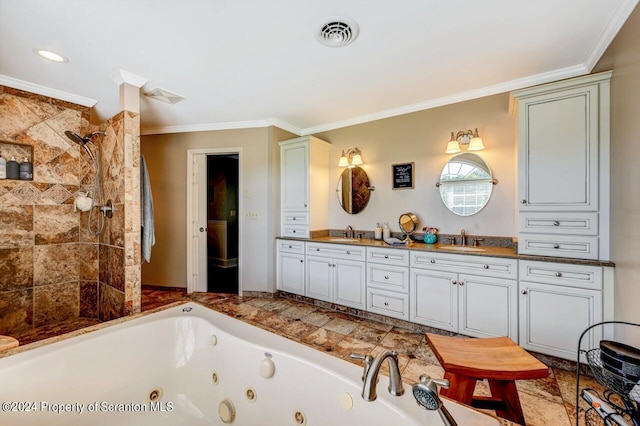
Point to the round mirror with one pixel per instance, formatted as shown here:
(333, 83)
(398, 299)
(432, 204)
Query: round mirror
(354, 190)
(408, 223)
(466, 184)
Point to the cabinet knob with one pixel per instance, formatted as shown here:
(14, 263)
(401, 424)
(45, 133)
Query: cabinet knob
(348, 252)
(523, 201)
(301, 261)
(290, 246)
(203, 229)
(556, 246)
(294, 231)
(317, 249)
(524, 292)
(294, 218)
(386, 303)
(485, 266)
(558, 274)
(433, 261)
(461, 283)
(386, 277)
(386, 257)
(454, 282)
(556, 223)
(305, 205)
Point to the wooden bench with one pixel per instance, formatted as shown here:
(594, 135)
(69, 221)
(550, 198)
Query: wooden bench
(498, 359)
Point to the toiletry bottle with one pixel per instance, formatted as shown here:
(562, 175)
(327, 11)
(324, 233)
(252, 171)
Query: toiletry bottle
(386, 232)
(378, 234)
(3, 168)
(26, 170)
(13, 169)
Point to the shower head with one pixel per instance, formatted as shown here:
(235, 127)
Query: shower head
(426, 395)
(82, 141)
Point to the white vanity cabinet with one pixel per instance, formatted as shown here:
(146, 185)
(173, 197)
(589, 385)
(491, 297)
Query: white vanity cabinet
(388, 282)
(291, 266)
(304, 164)
(471, 295)
(563, 168)
(336, 273)
(558, 301)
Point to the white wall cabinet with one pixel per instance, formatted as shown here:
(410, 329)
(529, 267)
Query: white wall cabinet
(304, 164)
(291, 266)
(563, 168)
(471, 295)
(336, 273)
(557, 303)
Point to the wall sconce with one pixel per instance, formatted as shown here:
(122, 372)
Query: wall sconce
(351, 158)
(465, 138)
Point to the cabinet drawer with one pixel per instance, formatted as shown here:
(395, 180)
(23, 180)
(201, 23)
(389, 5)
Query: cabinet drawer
(559, 223)
(394, 278)
(295, 218)
(387, 303)
(478, 265)
(290, 246)
(341, 251)
(580, 276)
(388, 256)
(295, 231)
(576, 247)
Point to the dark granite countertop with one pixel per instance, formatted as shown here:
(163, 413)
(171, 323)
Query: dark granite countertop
(490, 251)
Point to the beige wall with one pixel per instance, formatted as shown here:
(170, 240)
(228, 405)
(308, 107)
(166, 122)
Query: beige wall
(166, 158)
(421, 138)
(623, 56)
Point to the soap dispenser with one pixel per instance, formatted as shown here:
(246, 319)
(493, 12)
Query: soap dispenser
(3, 168)
(13, 169)
(378, 234)
(386, 232)
(26, 170)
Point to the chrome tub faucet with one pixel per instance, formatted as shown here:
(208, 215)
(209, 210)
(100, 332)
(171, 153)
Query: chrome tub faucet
(372, 369)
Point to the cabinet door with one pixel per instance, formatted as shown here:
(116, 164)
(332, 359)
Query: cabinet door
(349, 283)
(553, 317)
(319, 275)
(295, 176)
(291, 272)
(488, 307)
(558, 152)
(434, 299)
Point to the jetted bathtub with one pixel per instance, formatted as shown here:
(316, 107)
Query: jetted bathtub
(190, 365)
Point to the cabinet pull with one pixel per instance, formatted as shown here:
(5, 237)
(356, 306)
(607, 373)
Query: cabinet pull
(454, 282)
(305, 205)
(386, 303)
(433, 261)
(317, 249)
(386, 256)
(386, 277)
(294, 218)
(290, 246)
(523, 201)
(558, 274)
(461, 283)
(485, 266)
(556, 246)
(556, 223)
(294, 231)
(301, 261)
(524, 292)
(348, 252)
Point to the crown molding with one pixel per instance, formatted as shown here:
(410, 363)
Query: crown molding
(613, 28)
(231, 125)
(121, 76)
(46, 91)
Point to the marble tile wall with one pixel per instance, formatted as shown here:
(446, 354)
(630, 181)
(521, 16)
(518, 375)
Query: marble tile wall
(42, 276)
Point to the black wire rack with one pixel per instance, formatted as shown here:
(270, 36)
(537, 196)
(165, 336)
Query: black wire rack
(622, 393)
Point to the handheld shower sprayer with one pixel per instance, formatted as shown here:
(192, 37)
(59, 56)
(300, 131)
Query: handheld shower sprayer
(426, 395)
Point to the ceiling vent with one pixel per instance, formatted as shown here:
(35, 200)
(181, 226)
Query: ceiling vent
(337, 31)
(164, 96)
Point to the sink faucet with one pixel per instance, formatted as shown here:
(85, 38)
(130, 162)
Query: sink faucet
(350, 233)
(371, 370)
(463, 238)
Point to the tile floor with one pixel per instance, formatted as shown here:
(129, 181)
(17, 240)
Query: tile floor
(545, 402)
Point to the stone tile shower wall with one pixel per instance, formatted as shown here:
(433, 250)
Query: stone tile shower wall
(48, 263)
(51, 267)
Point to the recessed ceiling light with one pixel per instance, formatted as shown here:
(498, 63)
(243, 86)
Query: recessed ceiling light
(50, 56)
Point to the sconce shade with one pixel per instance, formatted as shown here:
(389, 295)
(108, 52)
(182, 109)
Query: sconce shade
(357, 158)
(475, 144)
(344, 161)
(452, 147)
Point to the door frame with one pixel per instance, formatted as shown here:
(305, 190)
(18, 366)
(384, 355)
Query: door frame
(191, 258)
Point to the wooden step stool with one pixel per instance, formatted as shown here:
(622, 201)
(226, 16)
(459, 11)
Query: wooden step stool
(498, 359)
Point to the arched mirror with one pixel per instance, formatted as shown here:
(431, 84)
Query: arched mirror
(354, 190)
(408, 223)
(466, 184)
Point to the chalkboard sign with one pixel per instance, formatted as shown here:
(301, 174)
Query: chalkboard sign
(402, 175)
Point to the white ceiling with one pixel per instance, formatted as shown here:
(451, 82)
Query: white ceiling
(247, 63)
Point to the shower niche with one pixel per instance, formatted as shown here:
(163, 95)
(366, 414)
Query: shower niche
(18, 151)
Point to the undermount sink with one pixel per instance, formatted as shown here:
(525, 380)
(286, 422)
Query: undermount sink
(342, 240)
(462, 248)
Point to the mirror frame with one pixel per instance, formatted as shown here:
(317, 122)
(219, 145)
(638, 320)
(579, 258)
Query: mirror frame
(442, 184)
(359, 197)
(413, 219)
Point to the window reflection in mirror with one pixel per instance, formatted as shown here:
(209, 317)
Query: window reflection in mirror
(466, 184)
(354, 190)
